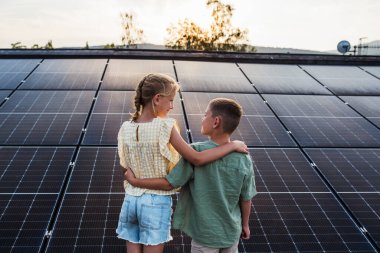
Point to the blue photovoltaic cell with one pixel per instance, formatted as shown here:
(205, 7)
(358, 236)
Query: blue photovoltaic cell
(369, 106)
(33, 101)
(255, 131)
(103, 128)
(333, 132)
(345, 80)
(33, 170)
(212, 77)
(13, 71)
(284, 170)
(114, 102)
(41, 129)
(303, 105)
(272, 78)
(66, 74)
(366, 207)
(4, 94)
(87, 223)
(123, 102)
(349, 170)
(374, 70)
(302, 222)
(376, 121)
(24, 219)
(126, 74)
(253, 104)
(97, 170)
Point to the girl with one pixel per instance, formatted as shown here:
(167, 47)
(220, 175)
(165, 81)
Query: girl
(149, 145)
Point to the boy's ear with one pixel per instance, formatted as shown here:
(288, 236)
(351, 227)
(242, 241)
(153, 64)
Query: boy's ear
(217, 122)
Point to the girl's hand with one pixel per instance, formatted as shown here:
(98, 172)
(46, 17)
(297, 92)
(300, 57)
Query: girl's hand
(240, 147)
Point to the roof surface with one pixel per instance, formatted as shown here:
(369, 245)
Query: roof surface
(312, 124)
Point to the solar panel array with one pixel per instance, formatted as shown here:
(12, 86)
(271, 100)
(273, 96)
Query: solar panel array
(313, 133)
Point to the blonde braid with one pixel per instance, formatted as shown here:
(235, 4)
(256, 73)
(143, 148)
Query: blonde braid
(138, 101)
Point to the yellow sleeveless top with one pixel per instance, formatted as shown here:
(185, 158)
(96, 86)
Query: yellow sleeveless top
(145, 148)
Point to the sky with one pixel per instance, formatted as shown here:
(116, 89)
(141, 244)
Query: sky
(303, 24)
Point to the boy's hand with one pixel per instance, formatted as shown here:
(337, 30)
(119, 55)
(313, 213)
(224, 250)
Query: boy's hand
(129, 176)
(240, 147)
(245, 233)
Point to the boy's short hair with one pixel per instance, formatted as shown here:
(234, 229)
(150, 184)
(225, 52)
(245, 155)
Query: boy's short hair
(229, 110)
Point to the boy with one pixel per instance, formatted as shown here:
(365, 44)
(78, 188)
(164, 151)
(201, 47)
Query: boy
(215, 200)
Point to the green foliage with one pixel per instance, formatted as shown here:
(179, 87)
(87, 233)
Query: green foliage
(221, 35)
(108, 46)
(131, 34)
(17, 45)
(49, 45)
(36, 46)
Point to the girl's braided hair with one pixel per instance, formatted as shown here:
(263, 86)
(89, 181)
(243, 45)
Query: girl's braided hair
(148, 87)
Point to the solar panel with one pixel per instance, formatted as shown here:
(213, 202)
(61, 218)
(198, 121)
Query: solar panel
(271, 78)
(41, 129)
(304, 222)
(4, 94)
(284, 170)
(304, 105)
(114, 102)
(196, 102)
(41, 125)
(345, 80)
(93, 220)
(376, 121)
(103, 128)
(212, 77)
(49, 102)
(13, 71)
(282, 222)
(33, 170)
(349, 170)
(66, 74)
(23, 221)
(374, 70)
(123, 102)
(368, 106)
(126, 74)
(97, 170)
(333, 132)
(255, 131)
(365, 206)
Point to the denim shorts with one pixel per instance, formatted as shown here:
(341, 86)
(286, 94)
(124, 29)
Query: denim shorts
(145, 219)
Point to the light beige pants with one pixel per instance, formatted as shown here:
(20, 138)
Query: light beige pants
(197, 248)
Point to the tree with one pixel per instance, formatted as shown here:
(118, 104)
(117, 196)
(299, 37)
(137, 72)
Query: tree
(36, 46)
(49, 45)
(17, 45)
(131, 34)
(86, 46)
(108, 46)
(221, 35)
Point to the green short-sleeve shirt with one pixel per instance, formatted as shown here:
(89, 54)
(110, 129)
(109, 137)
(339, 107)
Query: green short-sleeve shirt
(208, 208)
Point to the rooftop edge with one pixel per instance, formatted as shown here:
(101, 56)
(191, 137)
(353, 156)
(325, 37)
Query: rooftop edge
(270, 58)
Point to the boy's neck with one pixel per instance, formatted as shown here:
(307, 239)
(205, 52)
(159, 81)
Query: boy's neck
(220, 138)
